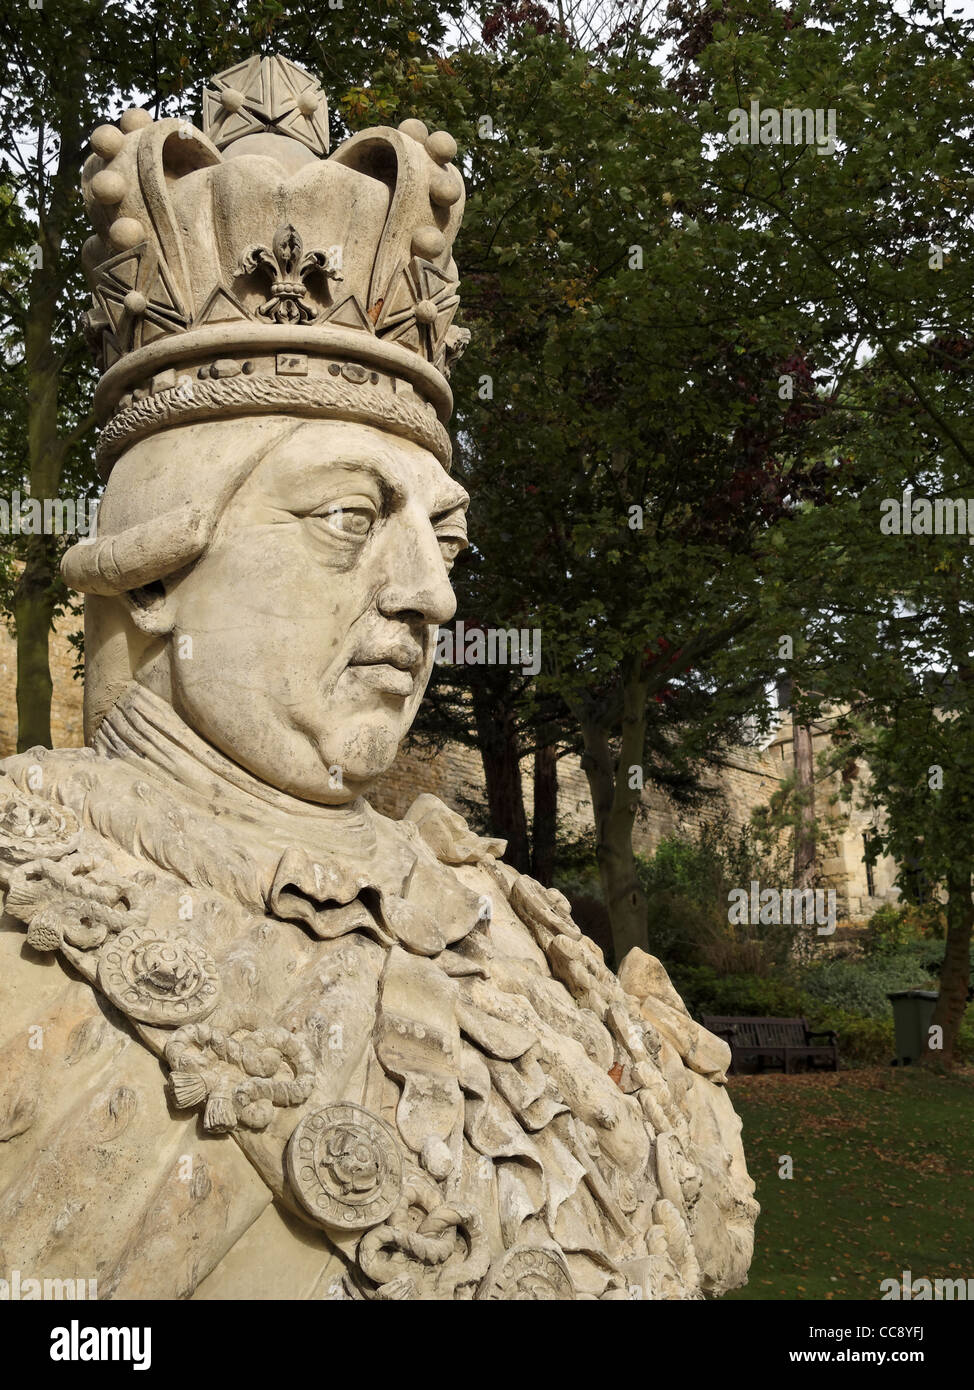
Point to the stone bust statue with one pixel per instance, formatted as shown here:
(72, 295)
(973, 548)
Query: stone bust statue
(260, 1041)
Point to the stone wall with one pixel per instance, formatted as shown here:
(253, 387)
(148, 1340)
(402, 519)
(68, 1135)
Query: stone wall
(67, 725)
(744, 781)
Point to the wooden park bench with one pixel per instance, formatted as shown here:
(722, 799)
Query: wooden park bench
(775, 1041)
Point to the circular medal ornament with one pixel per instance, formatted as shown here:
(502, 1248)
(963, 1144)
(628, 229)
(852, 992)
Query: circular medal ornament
(345, 1165)
(528, 1274)
(159, 979)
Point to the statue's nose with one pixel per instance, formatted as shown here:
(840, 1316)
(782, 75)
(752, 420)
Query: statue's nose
(417, 585)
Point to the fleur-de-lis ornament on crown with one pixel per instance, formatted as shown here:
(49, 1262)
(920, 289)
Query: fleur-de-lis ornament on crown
(288, 266)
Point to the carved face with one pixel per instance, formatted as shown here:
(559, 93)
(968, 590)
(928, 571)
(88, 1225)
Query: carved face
(301, 642)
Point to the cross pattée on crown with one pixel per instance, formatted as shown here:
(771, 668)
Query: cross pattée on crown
(266, 95)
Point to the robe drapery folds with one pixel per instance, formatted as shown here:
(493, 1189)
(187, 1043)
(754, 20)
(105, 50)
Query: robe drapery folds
(256, 1048)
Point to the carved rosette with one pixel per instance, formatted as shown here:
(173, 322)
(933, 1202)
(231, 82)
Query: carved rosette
(345, 1164)
(159, 979)
(31, 829)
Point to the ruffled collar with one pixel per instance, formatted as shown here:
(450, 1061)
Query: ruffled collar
(333, 869)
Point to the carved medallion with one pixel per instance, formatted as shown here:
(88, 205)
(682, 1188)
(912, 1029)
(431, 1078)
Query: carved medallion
(528, 1273)
(159, 979)
(345, 1165)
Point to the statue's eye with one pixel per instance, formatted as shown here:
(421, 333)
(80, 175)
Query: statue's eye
(352, 519)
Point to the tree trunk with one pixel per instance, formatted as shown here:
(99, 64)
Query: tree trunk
(33, 613)
(34, 595)
(955, 973)
(501, 755)
(615, 805)
(544, 831)
(804, 873)
(34, 599)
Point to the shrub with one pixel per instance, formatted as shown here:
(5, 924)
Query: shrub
(964, 1051)
(866, 1041)
(891, 928)
(693, 869)
(678, 925)
(746, 996)
(687, 882)
(861, 986)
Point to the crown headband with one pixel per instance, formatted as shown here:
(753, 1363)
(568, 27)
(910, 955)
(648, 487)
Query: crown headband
(236, 271)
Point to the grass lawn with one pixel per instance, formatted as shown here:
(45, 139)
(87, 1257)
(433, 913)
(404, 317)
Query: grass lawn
(883, 1179)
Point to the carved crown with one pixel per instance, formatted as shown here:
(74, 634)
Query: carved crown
(235, 270)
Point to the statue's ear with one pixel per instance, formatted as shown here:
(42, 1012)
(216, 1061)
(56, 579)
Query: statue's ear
(151, 608)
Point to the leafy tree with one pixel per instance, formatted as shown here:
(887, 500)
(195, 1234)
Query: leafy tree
(640, 285)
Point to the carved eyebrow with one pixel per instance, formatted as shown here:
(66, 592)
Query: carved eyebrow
(448, 505)
(391, 490)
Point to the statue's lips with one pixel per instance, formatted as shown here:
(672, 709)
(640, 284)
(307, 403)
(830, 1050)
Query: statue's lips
(384, 677)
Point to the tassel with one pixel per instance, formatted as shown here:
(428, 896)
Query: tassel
(188, 1088)
(44, 933)
(220, 1114)
(22, 896)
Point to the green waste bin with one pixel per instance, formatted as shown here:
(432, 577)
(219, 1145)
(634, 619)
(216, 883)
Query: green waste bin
(912, 1012)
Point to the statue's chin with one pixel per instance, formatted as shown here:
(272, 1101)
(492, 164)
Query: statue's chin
(345, 767)
(330, 764)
